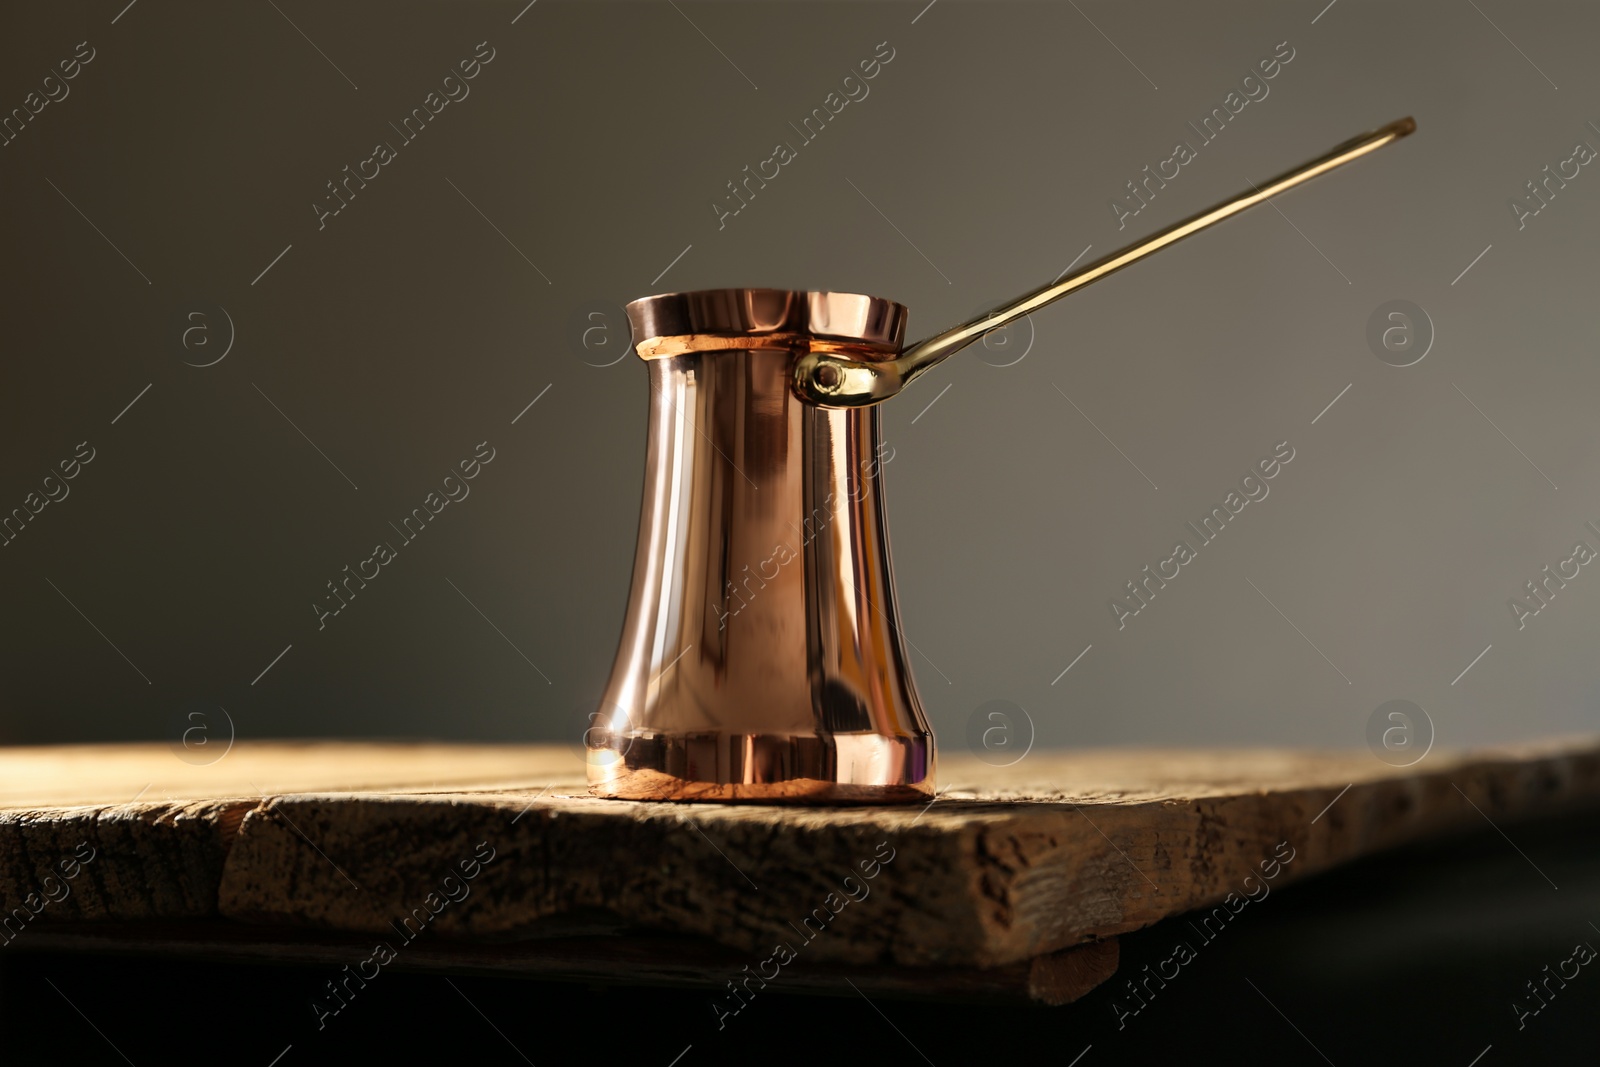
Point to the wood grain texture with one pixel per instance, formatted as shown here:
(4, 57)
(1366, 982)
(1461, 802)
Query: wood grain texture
(1007, 866)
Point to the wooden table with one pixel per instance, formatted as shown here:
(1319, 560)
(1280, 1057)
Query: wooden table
(1013, 884)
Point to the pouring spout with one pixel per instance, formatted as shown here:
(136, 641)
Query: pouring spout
(830, 380)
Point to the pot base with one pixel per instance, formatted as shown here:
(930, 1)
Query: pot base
(855, 768)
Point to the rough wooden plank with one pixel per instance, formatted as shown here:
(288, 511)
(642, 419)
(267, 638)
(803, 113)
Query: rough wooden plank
(134, 862)
(160, 828)
(60, 776)
(1008, 865)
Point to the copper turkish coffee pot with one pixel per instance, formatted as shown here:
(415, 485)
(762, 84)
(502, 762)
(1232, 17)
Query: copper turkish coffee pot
(762, 657)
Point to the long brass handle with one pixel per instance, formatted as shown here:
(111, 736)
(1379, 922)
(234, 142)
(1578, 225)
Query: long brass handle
(836, 382)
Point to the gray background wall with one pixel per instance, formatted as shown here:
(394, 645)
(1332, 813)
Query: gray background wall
(412, 327)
